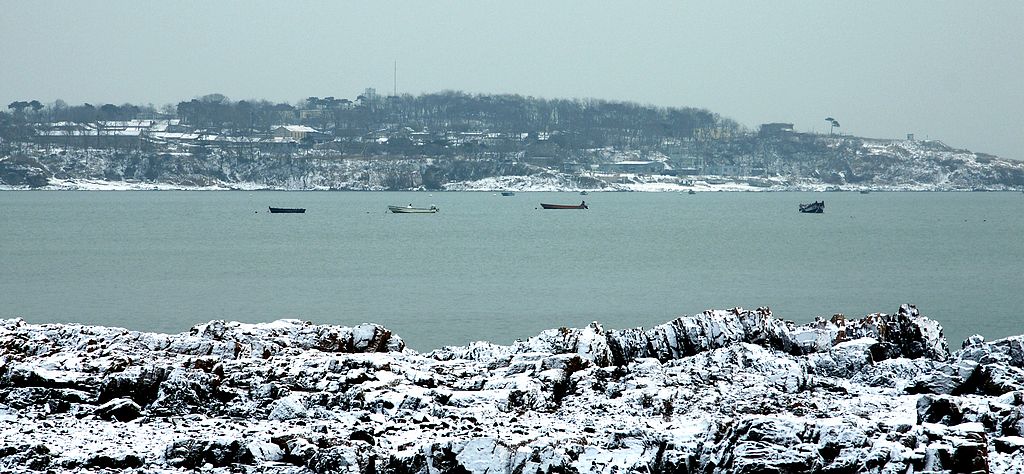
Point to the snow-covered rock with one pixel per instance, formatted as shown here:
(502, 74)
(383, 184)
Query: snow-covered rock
(813, 163)
(723, 391)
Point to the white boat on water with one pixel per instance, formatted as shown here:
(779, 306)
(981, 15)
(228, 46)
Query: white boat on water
(412, 210)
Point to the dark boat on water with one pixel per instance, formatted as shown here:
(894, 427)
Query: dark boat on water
(582, 205)
(508, 193)
(816, 207)
(287, 210)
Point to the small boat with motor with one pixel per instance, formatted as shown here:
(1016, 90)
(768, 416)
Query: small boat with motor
(581, 205)
(508, 193)
(816, 207)
(287, 210)
(413, 210)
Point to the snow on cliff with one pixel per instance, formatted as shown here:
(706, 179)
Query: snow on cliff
(809, 164)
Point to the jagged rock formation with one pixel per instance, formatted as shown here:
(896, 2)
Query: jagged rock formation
(723, 391)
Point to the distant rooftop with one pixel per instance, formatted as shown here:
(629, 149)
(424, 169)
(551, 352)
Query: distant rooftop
(296, 128)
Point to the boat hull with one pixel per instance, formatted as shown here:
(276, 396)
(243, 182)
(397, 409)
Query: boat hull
(412, 210)
(564, 206)
(287, 210)
(816, 207)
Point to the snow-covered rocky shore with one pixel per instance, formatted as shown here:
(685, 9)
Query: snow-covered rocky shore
(806, 164)
(724, 391)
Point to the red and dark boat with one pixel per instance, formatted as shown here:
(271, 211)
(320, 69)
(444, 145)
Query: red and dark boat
(582, 205)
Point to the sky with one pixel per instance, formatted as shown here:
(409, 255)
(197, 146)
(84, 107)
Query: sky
(945, 70)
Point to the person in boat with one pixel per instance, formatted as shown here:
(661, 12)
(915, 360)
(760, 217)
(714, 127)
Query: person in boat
(583, 203)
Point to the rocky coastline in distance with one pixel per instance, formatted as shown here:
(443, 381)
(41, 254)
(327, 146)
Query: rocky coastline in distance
(802, 163)
(723, 391)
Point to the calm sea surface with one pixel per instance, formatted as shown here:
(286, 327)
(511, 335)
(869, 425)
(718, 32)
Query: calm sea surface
(498, 268)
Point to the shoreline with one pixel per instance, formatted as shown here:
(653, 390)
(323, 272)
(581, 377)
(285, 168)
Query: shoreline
(721, 391)
(90, 185)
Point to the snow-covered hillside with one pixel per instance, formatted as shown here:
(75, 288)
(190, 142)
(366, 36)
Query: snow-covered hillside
(800, 164)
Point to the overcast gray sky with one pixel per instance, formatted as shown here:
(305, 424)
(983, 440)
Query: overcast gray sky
(940, 69)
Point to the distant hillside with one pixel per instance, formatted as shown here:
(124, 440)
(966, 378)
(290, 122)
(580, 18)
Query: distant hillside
(452, 140)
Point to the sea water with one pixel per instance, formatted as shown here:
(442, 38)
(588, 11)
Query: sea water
(490, 267)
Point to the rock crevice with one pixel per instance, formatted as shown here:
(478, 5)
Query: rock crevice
(723, 391)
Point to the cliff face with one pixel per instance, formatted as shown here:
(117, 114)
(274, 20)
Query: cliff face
(723, 391)
(794, 162)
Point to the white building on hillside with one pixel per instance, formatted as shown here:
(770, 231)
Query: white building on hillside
(295, 132)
